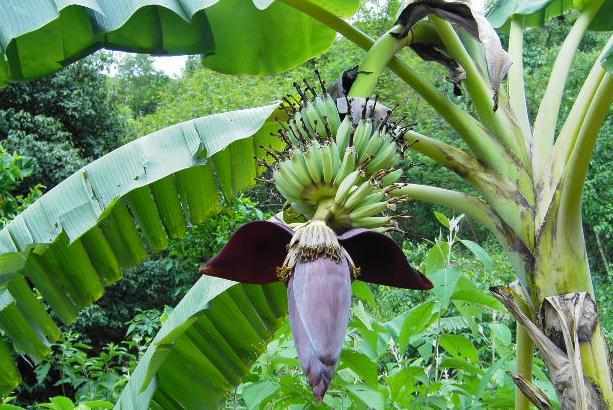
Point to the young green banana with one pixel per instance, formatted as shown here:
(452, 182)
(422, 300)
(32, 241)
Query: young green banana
(344, 188)
(368, 210)
(363, 190)
(347, 165)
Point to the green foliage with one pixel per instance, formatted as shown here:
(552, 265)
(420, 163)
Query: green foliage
(88, 373)
(13, 170)
(452, 348)
(138, 83)
(61, 122)
(64, 403)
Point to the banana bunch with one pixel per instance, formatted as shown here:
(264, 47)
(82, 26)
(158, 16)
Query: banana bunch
(348, 163)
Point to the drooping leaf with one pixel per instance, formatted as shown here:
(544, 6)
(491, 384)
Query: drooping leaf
(40, 37)
(442, 219)
(10, 407)
(94, 405)
(62, 403)
(403, 381)
(501, 333)
(538, 12)
(9, 376)
(77, 238)
(207, 346)
(467, 291)
(459, 363)
(453, 323)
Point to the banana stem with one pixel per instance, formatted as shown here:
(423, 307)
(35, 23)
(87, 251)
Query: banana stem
(568, 135)
(324, 210)
(377, 58)
(459, 201)
(517, 87)
(480, 90)
(576, 172)
(449, 156)
(525, 348)
(547, 116)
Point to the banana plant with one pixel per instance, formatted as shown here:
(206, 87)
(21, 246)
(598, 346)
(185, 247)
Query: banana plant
(529, 179)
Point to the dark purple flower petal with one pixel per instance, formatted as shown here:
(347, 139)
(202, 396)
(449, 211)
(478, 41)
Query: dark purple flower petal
(381, 261)
(319, 295)
(252, 255)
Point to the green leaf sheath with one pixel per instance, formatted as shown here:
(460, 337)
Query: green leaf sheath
(38, 37)
(111, 214)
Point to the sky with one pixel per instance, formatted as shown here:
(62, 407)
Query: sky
(171, 65)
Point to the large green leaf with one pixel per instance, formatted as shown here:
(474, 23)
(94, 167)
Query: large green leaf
(538, 12)
(38, 37)
(206, 346)
(76, 239)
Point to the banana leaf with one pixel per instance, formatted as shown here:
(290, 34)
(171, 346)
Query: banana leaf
(538, 12)
(113, 213)
(206, 346)
(38, 37)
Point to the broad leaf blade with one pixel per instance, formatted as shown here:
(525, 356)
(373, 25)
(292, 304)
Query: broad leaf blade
(40, 37)
(9, 376)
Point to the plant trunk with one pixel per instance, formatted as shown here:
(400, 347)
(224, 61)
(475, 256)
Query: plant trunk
(559, 276)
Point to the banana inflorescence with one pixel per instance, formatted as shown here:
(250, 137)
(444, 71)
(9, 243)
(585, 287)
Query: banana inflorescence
(349, 162)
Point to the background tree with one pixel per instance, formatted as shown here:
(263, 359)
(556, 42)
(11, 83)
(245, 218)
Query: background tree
(138, 83)
(62, 122)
